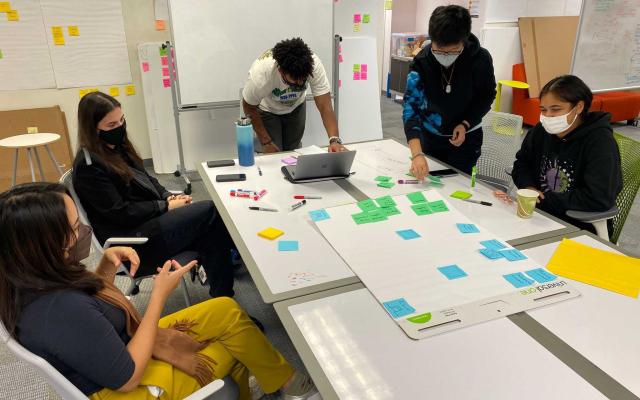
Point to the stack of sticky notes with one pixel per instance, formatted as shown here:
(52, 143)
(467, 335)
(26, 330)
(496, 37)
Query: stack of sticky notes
(375, 211)
(604, 269)
(459, 194)
(385, 182)
(270, 233)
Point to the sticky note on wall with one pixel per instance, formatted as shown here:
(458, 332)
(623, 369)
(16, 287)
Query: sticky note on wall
(357, 18)
(5, 6)
(82, 92)
(13, 15)
(1, 55)
(356, 27)
(165, 71)
(388, 4)
(145, 67)
(366, 18)
(114, 91)
(166, 82)
(58, 35)
(130, 90)
(160, 25)
(73, 30)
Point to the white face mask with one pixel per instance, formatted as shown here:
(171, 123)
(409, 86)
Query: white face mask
(445, 60)
(558, 124)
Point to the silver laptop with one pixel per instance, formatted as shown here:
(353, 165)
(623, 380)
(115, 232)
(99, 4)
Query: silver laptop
(320, 167)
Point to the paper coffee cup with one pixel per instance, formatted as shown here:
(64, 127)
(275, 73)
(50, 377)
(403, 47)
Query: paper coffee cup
(526, 202)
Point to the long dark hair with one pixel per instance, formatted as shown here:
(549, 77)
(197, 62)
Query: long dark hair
(571, 89)
(92, 108)
(34, 231)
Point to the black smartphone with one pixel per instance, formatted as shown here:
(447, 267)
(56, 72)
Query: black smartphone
(220, 163)
(231, 177)
(443, 172)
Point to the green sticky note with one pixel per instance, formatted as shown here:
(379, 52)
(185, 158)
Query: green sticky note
(1, 55)
(386, 201)
(421, 209)
(416, 197)
(377, 215)
(389, 211)
(387, 185)
(420, 319)
(438, 206)
(459, 194)
(361, 218)
(163, 51)
(366, 19)
(356, 67)
(382, 178)
(367, 205)
(434, 179)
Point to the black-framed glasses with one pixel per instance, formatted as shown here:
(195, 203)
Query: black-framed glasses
(447, 53)
(294, 85)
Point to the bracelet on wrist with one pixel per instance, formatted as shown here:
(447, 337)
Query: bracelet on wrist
(418, 155)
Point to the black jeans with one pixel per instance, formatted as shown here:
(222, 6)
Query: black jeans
(196, 227)
(286, 130)
(462, 158)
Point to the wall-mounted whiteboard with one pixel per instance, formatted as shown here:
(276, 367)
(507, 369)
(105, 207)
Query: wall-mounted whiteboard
(510, 10)
(25, 61)
(97, 55)
(217, 41)
(607, 50)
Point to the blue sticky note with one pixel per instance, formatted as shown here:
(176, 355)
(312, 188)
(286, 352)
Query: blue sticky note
(452, 272)
(288, 245)
(319, 215)
(518, 280)
(491, 254)
(468, 228)
(493, 244)
(398, 308)
(512, 254)
(541, 275)
(408, 234)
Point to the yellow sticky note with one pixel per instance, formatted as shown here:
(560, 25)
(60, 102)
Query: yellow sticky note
(58, 35)
(604, 269)
(114, 91)
(83, 92)
(32, 129)
(93, 90)
(270, 233)
(130, 90)
(356, 27)
(388, 4)
(73, 30)
(13, 15)
(160, 25)
(5, 6)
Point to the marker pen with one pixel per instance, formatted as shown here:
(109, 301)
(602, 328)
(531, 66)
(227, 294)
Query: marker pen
(263, 209)
(298, 205)
(408, 181)
(299, 196)
(258, 196)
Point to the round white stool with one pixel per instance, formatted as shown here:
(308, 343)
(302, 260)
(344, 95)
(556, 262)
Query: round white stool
(30, 141)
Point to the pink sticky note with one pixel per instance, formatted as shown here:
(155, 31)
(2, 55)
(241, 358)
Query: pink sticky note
(363, 67)
(357, 18)
(339, 83)
(363, 76)
(356, 76)
(340, 59)
(290, 160)
(166, 82)
(164, 60)
(145, 67)
(165, 71)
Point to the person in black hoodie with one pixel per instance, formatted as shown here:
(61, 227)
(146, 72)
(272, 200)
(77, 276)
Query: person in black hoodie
(570, 157)
(450, 87)
(122, 199)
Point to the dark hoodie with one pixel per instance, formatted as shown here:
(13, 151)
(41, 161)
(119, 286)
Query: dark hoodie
(428, 108)
(578, 172)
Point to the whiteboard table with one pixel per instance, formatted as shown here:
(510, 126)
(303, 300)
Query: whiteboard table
(30, 141)
(280, 275)
(353, 350)
(390, 158)
(601, 325)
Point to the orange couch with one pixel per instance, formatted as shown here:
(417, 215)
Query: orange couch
(623, 106)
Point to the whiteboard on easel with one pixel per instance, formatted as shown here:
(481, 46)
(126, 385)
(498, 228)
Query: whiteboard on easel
(607, 49)
(217, 41)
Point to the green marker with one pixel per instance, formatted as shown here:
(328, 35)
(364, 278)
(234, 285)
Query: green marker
(474, 172)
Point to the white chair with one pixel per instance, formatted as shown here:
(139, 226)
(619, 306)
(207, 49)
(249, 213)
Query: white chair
(502, 139)
(183, 257)
(217, 390)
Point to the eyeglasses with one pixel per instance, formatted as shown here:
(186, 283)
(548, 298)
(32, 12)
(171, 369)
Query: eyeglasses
(447, 53)
(294, 85)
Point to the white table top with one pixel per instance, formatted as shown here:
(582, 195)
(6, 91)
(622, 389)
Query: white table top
(390, 158)
(601, 325)
(365, 355)
(29, 140)
(316, 266)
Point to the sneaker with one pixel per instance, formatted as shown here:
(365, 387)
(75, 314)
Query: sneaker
(301, 387)
(256, 391)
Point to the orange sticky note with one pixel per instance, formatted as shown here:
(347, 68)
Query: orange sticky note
(114, 91)
(5, 6)
(73, 30)
(130, 90)
(58, 35)
(13, 15)
(270, 233)
(160, 25)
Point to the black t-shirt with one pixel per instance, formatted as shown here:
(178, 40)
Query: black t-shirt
(81, 336)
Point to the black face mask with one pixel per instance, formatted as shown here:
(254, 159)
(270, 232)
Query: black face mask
(114, 136)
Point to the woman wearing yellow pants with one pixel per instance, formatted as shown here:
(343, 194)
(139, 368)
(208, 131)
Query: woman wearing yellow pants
(81, 323)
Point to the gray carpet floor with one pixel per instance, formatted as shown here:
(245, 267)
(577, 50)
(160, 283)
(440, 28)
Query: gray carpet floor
(21, 382)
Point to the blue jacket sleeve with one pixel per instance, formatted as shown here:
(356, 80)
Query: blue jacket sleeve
(414, 100)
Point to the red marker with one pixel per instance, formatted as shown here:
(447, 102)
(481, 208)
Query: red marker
(300, 197)
(258, 196)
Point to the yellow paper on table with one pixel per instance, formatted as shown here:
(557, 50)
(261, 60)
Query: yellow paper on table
(114, 91)
(604, 269)
(270, 233)
(73, 30)
(5, 6)
(13, 15)
(58, 35)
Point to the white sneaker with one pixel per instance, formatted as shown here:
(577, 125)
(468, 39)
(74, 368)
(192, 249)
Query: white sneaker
(256, 391)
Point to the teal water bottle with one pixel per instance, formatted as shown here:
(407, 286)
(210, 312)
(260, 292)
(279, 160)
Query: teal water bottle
(244, 137)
